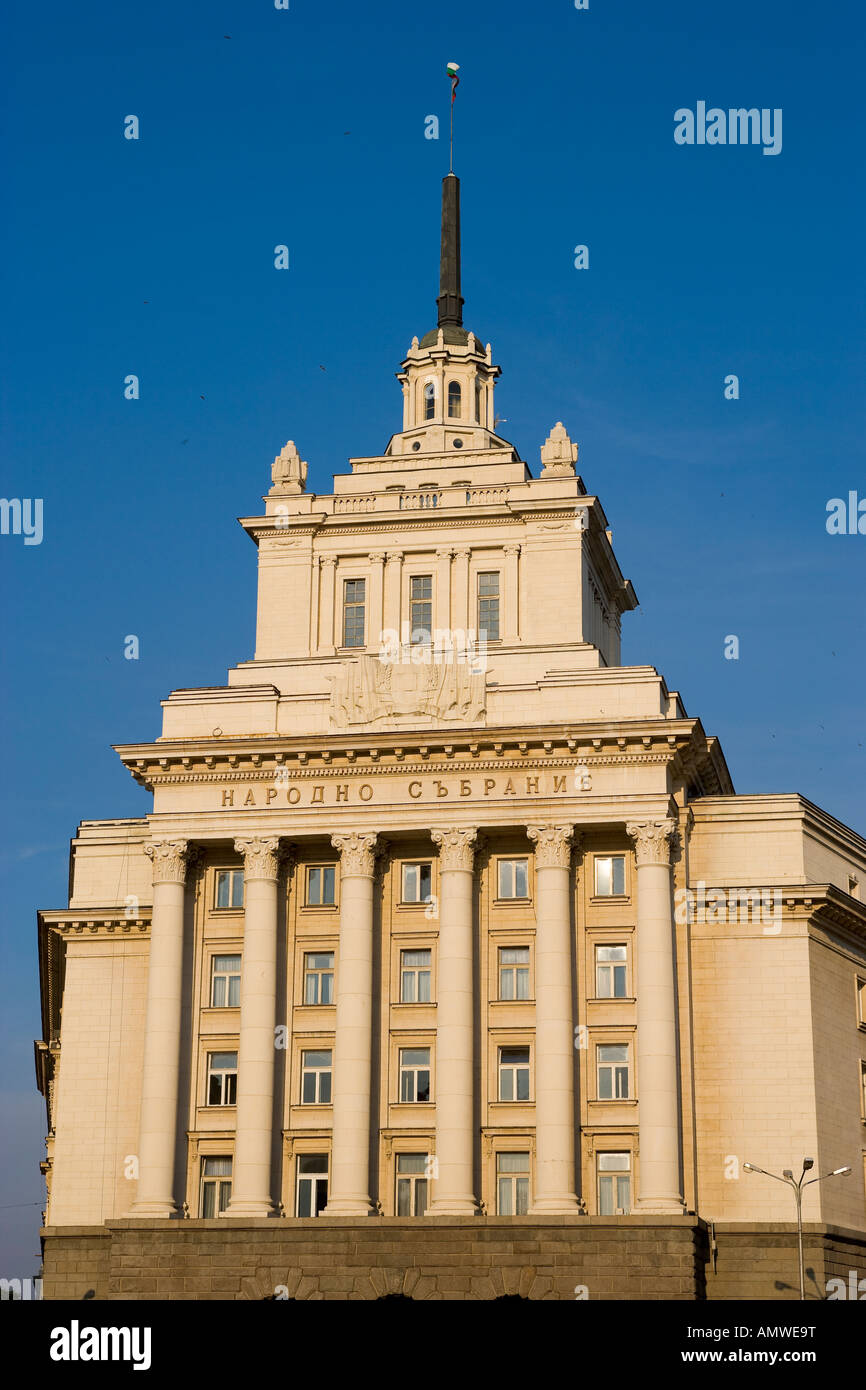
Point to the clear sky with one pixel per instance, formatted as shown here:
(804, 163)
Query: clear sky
(305, 127)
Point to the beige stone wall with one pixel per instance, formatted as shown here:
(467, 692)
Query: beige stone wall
(840, 1049)
(99, 1083)
(754, 1074)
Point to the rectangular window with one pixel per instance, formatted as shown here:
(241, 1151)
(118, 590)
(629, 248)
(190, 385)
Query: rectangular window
(488, 607)
(514, 972)
(513, 878)
(321, 885)
(512, 1184)
(225, 988)
(316, 1078)
(421, 608)
(411, 1184)
(312, 1192)
(353, 612)
(613, 1071)
(319, 977)
(222, 1078)
(863, 1090)
(861, 1002)
(230, 888)
(414, 1074)
(614, 1184)
(417, 882)
(514, 1073)
(216, 1186)
(610, 963)
(610, 876)
(415, 977)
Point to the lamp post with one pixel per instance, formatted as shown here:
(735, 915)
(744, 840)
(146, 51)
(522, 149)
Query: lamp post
(788, 1178)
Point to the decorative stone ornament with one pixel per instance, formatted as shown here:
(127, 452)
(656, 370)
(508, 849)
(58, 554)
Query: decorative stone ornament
(456, 848)
(652, 840)
(552, 845)
(357, 854)
(169, 860)
(261, 857)
(289, 472)
(558, 454)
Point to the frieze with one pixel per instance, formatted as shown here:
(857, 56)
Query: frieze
(427, 789)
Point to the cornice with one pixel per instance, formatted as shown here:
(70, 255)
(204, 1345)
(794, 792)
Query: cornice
(328, 756)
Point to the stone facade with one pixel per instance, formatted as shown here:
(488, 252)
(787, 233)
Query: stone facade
(447, 926)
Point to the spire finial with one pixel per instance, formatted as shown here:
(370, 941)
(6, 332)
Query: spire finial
(450, 300)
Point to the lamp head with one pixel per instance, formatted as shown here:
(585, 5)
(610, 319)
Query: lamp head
(786, 1173)
(840, 1172)
(807, 1164)
(747, 1168)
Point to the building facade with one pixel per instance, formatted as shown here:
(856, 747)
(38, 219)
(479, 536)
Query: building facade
(448, 962)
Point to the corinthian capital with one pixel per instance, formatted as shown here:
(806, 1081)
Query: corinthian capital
(169, 858)
(456, 848)
(552, 845)
(357, 854)
(261, 857)
(652, 840)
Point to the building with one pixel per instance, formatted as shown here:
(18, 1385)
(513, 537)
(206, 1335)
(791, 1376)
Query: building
(448, 962)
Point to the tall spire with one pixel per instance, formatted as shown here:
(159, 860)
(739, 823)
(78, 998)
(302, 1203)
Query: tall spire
(450, 300)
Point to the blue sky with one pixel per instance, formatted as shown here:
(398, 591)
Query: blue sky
(306, 127)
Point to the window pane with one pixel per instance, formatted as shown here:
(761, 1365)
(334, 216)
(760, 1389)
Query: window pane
(227, 964)
(407, 991)
(305, 1197)
(314, 887)
(522, 1196)
(238, 888)
(410, 883)
(415, 1057)
(504, 1202)
(614, 1163)
(423, 1085)
(521, 879)
(506, 1084)
(523, 984)
(420, 1196)
(329, 880)
(424, 987)
(602, 878)
(613, 1052)
(514, 955)
(308, 1089)
(504, 878)
(324, 1088)
(404, 1197)
(506, 984)
(605, 1083)
(415, 958)
(453, 399)
(313, 1163)
(218, 998)
(217, 1167)
(522, 1083)
(619, 981)
(605, 1196)
(411, 1163)
(426, 881)
(515, 1056)
(326, 991)
(208, 1200)
(222, 894)
(512, 1163)
(235, 992)
(223, 1060)
(225, 1195)
(619, 875)
(311, 989)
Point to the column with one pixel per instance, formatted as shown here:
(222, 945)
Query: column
(326, 606)
(349, 1190)
(452, 1189)
(442, 598)
(375, 622)
(393, 584)
(554, 1026)
(657, 1071)
(510, 616)
(157, 1135)
(314, 605)
(251, 1169)
(461, 592)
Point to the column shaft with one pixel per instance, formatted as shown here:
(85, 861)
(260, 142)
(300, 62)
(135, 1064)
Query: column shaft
(659, 1188)
(511, 616)
(349, 1190)
(251, 1170)
(161, 1069)
(554, 1028)
(453, 1188)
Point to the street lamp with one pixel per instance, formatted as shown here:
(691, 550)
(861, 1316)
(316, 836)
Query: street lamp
(788, 1178)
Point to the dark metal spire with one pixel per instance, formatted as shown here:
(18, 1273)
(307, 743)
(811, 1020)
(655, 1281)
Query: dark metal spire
(450, 300)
